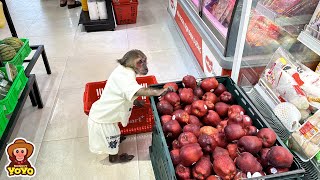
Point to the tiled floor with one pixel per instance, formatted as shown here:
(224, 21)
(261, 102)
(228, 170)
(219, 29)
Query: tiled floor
(59, 130)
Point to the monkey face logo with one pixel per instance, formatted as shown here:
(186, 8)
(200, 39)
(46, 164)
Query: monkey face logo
(18, 154)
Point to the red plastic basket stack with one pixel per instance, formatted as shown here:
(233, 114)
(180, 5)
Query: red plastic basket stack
(141, 119)
(126, 11)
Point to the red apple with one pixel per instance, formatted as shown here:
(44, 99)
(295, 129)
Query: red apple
(222, 125)
(226, 97)
(187, 108)
(232, 150)
(190, 154)
(210, 99)
(171, 84)
(209, 84)
(176, 144)
(211, 119)
(235, 118)
(221, 140)
(195, 120)
(220, 89)
(207, 143)
(202, 169)
(181, 116)
(222, 109)
(183, 172)
(198, 92)
(189, 82)
(251, 131)
(240, 176)
(173, 98)
(251, 144)
(175, 156)
(209, 130)
(164, 107)
(187, 138)
(224, 167)
(186, 95)
(195, 129)
(280, 157)
(172, 129)
(234, 132)
(165, 118)
(213, 177)
(246, 162)
(199, 108)
(268, 137)
(263, 156)
(218, 151)
(246, 121)
(236, 109)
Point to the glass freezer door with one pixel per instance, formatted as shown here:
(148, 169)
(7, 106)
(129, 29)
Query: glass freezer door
(217, 14)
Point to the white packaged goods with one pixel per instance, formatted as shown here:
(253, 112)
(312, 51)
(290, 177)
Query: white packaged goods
(93, 10)
(306, 140)
(102, 8)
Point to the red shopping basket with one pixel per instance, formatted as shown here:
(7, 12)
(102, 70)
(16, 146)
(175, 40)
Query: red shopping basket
(141, 119)
(126, 13)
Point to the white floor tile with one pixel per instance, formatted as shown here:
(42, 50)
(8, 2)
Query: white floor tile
(68, 119)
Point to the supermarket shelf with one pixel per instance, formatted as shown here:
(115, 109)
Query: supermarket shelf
(15, 121)
(98, 25)
(309, 41)
(282, 20)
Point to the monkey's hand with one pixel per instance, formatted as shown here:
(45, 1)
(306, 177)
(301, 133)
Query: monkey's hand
(139, 103)
(166, 90)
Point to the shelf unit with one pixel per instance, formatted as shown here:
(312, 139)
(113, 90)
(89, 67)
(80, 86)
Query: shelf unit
(31, 88)
(310, 41)
(99, 25)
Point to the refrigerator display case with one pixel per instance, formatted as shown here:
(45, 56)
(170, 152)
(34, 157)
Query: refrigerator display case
(281, 43)
(214, 25)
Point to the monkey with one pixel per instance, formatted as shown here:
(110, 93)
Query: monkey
(115, 106)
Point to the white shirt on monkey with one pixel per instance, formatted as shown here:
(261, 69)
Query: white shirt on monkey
(116, 101)
(114, 106)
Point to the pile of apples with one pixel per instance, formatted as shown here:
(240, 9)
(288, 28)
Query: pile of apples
(211, 137)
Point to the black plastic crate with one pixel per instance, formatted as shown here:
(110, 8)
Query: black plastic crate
(159, 152)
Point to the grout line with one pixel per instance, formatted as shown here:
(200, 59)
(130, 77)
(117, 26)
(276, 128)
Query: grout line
(73, 138)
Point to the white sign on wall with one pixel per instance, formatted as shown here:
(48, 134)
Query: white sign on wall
(211, 66)
(173, 7)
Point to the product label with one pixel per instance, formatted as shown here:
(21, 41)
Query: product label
(308, 130)
(190, 34)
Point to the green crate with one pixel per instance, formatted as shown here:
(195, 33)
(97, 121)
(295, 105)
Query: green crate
(21, 54)
(159, 152)
(3, 122)
(10, 101)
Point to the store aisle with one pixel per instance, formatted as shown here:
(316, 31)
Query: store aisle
(59, 131)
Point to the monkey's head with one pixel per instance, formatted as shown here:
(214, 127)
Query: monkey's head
(136, 60)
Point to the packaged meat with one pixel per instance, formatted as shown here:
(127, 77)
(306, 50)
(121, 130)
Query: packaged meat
(220, 8)
(305, 141)
(278, 75)
(227, 13)
(281, 6)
